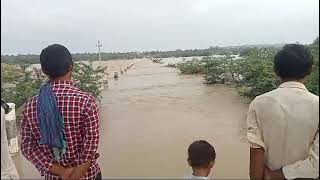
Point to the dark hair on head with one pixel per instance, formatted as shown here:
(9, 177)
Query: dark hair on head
(293, 61)
(201, 153)
(55, 60)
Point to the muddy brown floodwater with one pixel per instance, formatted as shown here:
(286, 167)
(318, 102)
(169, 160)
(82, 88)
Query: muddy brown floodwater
(151, 115)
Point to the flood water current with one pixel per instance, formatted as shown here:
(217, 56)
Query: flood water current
(151, 114)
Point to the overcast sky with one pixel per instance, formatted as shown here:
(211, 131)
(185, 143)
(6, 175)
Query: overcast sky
(27, 26)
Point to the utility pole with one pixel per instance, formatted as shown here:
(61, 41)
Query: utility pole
(99, 46)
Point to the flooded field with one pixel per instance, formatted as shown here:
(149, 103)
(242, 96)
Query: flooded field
(150, 116)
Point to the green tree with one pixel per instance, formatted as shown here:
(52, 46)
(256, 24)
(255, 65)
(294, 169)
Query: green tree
(313, 80)
(88, 78)
(18, 84)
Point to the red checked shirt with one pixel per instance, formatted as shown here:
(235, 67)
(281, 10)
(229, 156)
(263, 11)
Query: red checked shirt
(81, 120)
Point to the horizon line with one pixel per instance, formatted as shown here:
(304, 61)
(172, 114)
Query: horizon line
(229, 46)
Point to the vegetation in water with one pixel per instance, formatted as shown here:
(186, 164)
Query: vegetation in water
(253, 74)
(193, 66)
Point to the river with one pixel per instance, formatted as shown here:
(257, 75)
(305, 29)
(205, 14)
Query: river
(151, 115)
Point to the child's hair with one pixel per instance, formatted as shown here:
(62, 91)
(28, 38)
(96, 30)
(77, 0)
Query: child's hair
(201, 153)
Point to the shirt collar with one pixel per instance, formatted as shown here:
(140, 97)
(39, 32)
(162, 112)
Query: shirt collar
(61, 82)
(197, 177)
(293, 84)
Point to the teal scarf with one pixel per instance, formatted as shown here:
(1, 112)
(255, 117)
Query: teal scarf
(51, 122)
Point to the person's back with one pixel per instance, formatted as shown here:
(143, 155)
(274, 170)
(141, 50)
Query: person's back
(283, 124)
(73, 104)
(289, 119)
(60, 126)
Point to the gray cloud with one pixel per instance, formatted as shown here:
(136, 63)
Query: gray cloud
(137, 25)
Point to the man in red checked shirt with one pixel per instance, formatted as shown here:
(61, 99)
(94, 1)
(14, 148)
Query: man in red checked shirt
(60, 126)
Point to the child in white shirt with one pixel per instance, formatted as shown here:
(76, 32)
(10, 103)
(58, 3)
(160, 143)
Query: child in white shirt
(201, 157)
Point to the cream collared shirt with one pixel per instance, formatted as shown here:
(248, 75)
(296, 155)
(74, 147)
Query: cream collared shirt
(285, 122)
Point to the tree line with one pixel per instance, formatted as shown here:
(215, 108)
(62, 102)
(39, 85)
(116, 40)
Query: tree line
(34, 59)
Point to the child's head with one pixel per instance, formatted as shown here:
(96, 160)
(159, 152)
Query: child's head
(201, 157)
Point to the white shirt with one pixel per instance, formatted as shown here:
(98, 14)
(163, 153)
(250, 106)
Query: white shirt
(195, 177)
(285, 122)
(8, 169)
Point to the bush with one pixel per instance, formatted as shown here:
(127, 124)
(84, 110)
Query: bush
(194, 66)
(18, 84)
(258, 76)
(88, 79)
(313, 80)
(215, 69)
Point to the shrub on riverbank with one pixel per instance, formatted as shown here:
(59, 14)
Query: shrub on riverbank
(193, 66)
(88, 79)
(18, 83)
(217, 69)
(258, 76)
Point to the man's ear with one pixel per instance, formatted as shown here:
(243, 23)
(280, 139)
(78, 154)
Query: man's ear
(211, 164)
(189, 162)
(71, 67)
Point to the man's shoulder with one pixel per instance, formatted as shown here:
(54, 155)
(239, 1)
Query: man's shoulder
(78, 91)
(81, 93)
(268, 96)
(30, 105)
(87, 97)
(31, 101)
(279, 96)
(313, 97)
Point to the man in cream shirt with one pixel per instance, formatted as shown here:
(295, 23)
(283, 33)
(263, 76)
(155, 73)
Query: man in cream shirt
(283, 124)
(8, 170)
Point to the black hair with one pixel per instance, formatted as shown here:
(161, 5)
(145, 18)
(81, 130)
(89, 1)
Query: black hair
(55, 60)
(293, 61)
(201, 153)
